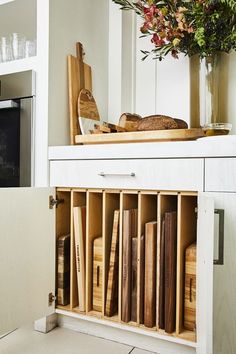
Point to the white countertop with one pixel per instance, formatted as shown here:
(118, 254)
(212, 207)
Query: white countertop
(220, 146)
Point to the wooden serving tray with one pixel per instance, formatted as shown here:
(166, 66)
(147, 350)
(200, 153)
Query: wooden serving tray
(138, 137)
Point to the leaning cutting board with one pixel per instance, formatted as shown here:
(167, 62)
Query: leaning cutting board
(79, 77)
(88, 114)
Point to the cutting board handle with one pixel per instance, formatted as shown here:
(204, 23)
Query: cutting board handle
(80, 51)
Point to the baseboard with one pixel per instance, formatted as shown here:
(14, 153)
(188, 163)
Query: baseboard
(123, 336)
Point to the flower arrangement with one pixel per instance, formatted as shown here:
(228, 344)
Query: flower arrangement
(202, 27)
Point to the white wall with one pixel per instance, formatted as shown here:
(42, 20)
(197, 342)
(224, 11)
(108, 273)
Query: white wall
(156, 87)
(18, 16)
(74, 21)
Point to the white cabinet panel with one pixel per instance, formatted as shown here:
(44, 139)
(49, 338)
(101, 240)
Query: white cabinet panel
(27, 256)
(224, 319)
(205, 246)
(220, 175)
(165, 174)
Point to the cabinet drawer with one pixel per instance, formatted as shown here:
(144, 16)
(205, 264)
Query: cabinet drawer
(220, 175)
(165, 174)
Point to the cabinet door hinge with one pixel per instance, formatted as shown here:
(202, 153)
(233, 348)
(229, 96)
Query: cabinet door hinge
(196, 211)
(53, 202)
(51, 299)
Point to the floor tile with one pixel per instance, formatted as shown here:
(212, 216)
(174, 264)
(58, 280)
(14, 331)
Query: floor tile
(59, 341)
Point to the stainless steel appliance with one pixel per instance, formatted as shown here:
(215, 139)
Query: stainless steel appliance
(17, 100)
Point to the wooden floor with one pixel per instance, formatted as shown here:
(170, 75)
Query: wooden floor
(60, 341)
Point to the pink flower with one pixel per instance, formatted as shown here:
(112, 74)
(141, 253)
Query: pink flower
(150, 10)
(157, 40)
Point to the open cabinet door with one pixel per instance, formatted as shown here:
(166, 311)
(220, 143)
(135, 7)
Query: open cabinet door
(27, 256)
(205, 251)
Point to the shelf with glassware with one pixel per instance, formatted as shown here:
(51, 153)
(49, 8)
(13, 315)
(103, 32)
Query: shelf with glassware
(16, 66)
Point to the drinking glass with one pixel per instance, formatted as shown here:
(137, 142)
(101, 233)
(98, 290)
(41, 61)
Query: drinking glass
(6, 50)
(30, 48)
(18, 46)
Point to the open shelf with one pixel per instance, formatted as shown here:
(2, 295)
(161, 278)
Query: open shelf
(3, 2)
(17, 66)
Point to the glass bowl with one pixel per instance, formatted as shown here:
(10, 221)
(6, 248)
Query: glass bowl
(213, 129)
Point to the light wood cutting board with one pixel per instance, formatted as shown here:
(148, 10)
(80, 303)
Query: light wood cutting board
(141, 136)
(79, 77)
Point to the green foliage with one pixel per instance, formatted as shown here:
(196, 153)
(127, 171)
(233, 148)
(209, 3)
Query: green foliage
(201, 27)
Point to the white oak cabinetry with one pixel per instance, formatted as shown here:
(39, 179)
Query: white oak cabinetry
(144, 177)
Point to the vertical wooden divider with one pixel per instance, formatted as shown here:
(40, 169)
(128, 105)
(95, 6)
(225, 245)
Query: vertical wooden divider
(104, 249)
(147, 212)
(78, 198)
(179, 305)
(121, 256)
(73, 279)
(187, 231)
(63, 222)
(111, 202)
(88, 254)
(94, 230)
(158, 256)
(139, 260)
(167, 201)
(128, 200)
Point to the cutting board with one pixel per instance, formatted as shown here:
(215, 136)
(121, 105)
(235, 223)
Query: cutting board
(79, 77)
(139, 137)
(97, 273)
(87, 111)
(190, 288)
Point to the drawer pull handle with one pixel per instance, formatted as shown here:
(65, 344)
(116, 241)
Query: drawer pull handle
(103, 174)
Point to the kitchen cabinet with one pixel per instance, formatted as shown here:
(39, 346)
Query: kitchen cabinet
(33, 265)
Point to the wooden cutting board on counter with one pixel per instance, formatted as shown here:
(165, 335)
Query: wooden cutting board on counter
(88, 114)
(79, 77)
(142, 136)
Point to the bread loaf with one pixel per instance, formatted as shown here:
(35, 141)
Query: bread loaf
(181, 123)
(129, 121)
(160, 122)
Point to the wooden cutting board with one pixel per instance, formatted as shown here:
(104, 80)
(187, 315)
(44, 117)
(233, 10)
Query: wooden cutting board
(138, 137)
(97, 273)
(190, 288)
(79, 77)
(88, 114)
